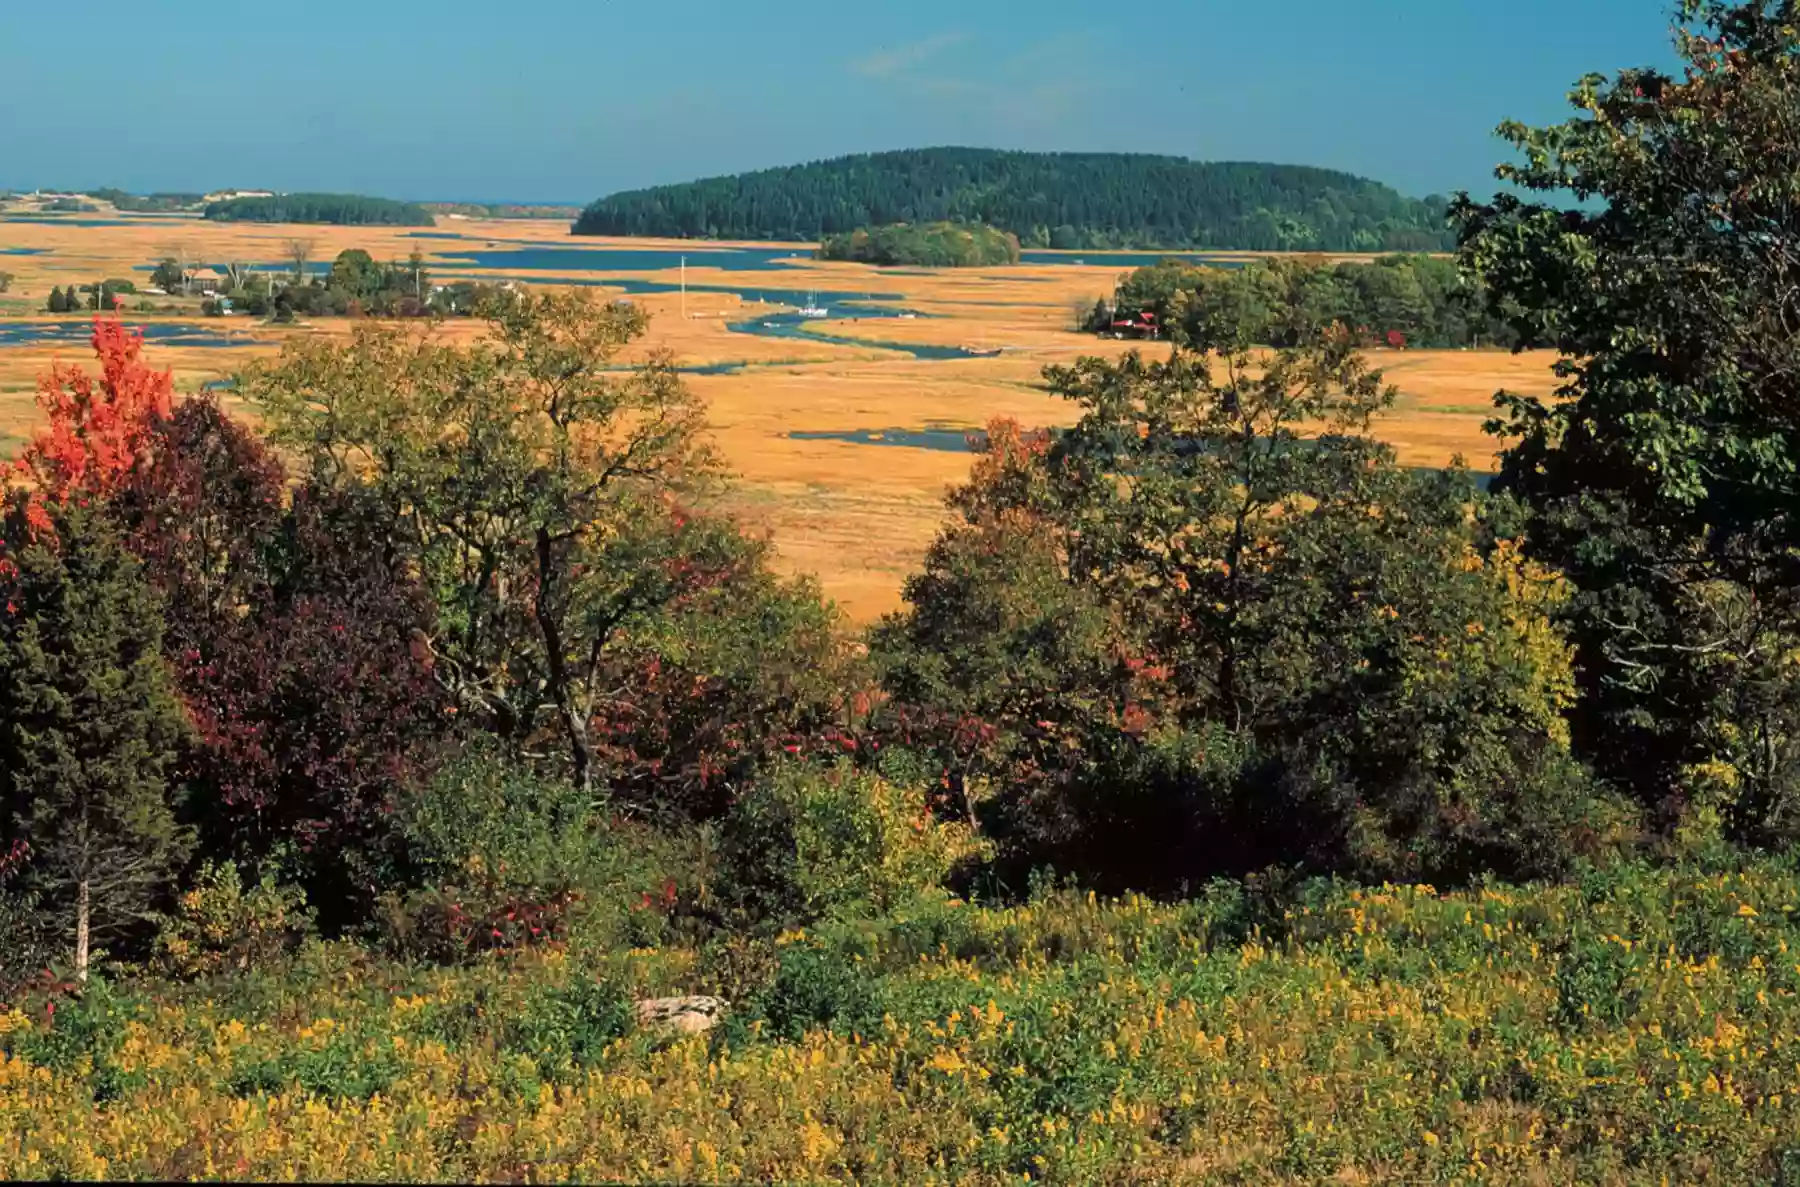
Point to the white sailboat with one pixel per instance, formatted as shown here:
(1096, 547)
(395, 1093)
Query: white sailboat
(812, 308)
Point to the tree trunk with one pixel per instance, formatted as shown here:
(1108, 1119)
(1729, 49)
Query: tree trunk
(81, 932)
(556, 668)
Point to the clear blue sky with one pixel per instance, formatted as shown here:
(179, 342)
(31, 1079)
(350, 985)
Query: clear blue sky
(571, 99)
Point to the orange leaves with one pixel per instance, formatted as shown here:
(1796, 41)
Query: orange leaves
(98, 426)
(97, 430)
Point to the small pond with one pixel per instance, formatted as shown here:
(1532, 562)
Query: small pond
(79, 331)
(941, 439)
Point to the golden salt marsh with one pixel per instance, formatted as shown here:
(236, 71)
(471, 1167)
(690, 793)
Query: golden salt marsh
(859, 515)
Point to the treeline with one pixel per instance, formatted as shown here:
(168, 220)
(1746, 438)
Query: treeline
(347, 210)
(100, 296)
(357, 285)
(164, 203)
(1398, 300)
(502, 210)
(1054, 200)
(932, 245)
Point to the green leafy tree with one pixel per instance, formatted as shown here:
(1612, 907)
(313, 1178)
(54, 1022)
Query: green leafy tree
(1214, 625)
(536, 491)
(89, 724)
(1661, 476)
(168, 276)
(356, 274)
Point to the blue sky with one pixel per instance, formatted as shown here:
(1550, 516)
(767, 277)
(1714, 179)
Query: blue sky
(570, 99)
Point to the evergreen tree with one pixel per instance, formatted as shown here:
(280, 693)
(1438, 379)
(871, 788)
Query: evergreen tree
(57, 303)
(88, 722)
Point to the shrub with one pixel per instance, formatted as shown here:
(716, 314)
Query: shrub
(497, 857)
(343, 1067)
(815, 985)
(85, 1037)
(29, 940)
(222, 925)
(807, 840)
(566, 1029)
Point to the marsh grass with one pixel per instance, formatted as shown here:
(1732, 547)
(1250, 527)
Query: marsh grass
(862, 515)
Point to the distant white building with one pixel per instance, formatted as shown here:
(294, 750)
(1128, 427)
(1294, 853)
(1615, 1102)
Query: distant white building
(227, 195)
(204, 281)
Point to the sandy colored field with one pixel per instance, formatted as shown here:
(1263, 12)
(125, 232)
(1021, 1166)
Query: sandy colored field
(858, 515)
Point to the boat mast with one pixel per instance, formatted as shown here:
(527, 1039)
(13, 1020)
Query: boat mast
(683, 288)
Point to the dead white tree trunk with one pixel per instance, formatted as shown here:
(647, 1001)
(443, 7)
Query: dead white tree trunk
(81, 932)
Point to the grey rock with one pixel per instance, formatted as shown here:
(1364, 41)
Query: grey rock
(685, 1015)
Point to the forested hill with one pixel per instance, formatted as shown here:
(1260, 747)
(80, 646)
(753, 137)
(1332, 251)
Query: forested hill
(1073, 200)
(347, 210)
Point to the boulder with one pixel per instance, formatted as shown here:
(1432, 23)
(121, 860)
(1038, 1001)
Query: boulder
(685, 1015)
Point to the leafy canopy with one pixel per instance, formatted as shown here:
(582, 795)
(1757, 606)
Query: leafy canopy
(1662, 476)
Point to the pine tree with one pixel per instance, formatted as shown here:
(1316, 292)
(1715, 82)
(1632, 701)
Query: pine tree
(89, 723)
(56, 303)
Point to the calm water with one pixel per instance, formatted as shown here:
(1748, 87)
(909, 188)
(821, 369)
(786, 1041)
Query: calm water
(757, 259)
(79, 331)
(23, 251)
(621, 259)
(944, 440)
(748, 292)
(63, 220)
(952, 440)
(792, 325)
(1126, 259)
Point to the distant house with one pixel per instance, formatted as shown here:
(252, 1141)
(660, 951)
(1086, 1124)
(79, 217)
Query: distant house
(204, 281)
(1134, 325)
(227, 195)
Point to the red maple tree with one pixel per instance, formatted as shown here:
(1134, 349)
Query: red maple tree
(97, 427)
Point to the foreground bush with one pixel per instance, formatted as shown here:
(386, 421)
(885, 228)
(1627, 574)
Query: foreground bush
(1215, 626)
(807, 841)
(1636, 1026)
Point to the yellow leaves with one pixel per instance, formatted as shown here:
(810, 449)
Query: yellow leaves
(947, 1061)
(816, 1145)
(1746, 910)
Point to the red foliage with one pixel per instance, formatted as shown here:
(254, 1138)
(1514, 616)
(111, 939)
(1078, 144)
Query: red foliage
(292, 644)
(98, 427)
(449, 929)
